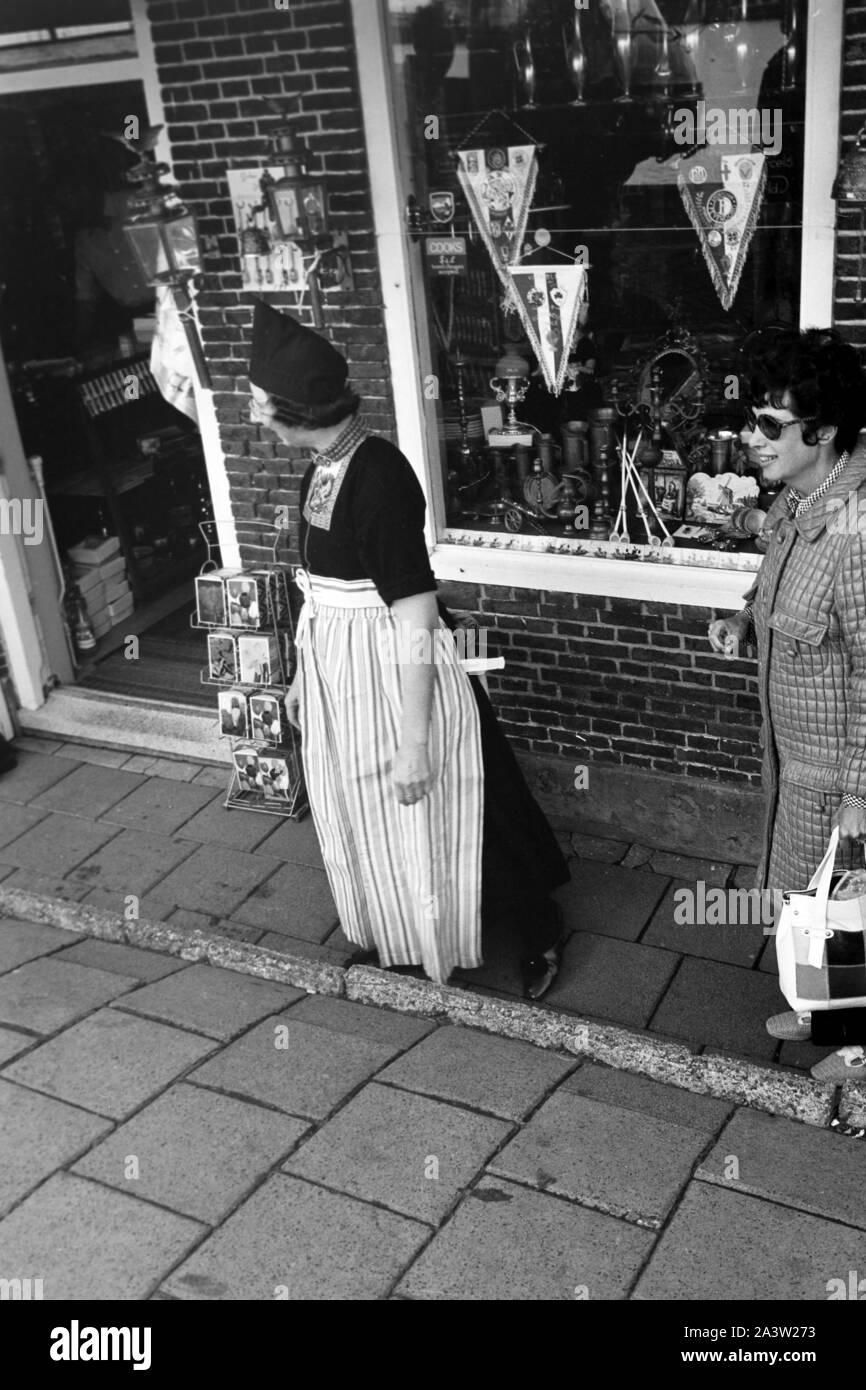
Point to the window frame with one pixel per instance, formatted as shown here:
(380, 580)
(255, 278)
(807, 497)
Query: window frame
(691, 578)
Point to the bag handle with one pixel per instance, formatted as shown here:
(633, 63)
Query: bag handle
(822, 877)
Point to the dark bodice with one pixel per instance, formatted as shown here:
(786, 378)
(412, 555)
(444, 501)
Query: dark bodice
(376, 528)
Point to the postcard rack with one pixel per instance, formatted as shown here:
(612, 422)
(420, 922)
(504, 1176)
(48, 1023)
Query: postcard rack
(246, 613)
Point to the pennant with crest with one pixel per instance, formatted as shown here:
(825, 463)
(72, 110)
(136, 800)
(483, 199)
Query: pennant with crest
(548, 300)
(499, 183)
(722, 193)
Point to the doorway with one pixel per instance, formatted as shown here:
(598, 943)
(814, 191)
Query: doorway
(120, 471)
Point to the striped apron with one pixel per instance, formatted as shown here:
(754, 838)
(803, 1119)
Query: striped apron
(406, 879)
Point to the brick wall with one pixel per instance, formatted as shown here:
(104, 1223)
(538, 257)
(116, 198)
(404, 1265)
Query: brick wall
(637, 680)
(214, 57)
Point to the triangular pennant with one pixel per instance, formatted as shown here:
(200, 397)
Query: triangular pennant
(499, 184)
(722, 194)
(548, 300)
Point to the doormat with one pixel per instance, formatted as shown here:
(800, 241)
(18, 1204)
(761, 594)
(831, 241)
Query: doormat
(169, 663)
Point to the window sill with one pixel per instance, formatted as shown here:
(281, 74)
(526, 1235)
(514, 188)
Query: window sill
(698, 578)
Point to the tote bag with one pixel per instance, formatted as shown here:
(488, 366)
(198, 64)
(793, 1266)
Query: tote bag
(821, 944)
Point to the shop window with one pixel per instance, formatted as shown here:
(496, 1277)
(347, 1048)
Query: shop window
(609, 197)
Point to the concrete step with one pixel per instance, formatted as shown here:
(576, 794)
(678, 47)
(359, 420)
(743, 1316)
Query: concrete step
(130, 724)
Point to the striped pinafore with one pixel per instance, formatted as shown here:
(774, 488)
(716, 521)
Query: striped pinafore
(406, 879)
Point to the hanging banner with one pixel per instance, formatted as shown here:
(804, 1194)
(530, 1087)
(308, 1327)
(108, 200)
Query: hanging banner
(722, 194)
(548, 300)
(170, 360)
(499, 184)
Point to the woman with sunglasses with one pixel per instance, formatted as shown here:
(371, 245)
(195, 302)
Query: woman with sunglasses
(807, 614)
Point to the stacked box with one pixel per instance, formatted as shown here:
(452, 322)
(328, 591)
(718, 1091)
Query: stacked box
(100, 573)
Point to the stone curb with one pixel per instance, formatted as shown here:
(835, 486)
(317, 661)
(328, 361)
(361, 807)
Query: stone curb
(725, 1078)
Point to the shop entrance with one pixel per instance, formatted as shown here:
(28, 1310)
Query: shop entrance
(119, 471)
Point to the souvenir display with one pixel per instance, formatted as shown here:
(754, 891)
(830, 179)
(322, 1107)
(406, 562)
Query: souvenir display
(258, 667)
(714, 499)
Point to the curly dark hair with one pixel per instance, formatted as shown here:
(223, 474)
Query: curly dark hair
(817, 369)
(317, 417)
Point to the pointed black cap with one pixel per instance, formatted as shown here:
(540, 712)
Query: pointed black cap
(289, 360)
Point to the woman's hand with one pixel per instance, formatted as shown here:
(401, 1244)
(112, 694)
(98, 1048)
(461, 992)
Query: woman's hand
(411, 773)
(851, 821)
(728, 634)
(291, 703)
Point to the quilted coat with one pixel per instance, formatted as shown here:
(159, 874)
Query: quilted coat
(809, 605)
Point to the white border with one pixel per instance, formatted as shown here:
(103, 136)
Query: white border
(820, 160)
(208, 425)
(675, 583)
(694, 585)
(393, 246)
(78, 75)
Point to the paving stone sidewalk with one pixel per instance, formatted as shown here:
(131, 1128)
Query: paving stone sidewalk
(174, 1130)
(98, 826)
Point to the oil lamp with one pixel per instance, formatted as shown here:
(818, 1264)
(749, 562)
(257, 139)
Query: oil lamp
(510, 385)
(297, 203)
(164, 239)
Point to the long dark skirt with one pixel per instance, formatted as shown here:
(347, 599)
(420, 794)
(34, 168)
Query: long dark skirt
(838, 1027)
(521, 861)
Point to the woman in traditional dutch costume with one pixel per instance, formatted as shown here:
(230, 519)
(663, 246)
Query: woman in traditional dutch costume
(422, 813)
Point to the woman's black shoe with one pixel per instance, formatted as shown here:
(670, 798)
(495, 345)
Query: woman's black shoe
(539, 972)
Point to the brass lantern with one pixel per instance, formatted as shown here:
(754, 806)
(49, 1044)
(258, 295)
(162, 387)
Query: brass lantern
(298, 200)
(163, 236)
(849, 191)
(297, 205)
(164, 240)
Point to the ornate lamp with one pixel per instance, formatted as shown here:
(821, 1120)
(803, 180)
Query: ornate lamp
(297, 203)
(849, 190)
(509, 386)
(163, 235)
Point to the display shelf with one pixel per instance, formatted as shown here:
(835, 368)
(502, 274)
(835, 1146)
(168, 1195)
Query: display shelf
(279, 626)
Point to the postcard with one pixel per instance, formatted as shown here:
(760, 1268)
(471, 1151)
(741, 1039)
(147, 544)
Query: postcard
(233, 713)
(259, 660)
(222, 656)
(266, 723)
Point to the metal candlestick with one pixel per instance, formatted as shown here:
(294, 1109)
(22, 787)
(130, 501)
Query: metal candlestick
(601, 518)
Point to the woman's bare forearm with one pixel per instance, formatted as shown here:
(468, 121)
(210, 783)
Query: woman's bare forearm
(417, 621)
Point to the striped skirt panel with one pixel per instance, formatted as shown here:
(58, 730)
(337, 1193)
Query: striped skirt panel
(406, 879)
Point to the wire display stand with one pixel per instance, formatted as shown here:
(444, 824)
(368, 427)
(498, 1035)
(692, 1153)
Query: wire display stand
(286, 802)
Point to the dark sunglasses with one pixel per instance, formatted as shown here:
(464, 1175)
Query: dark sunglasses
(770, 427)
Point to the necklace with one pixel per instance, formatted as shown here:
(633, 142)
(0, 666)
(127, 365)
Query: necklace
(798, 504)
(331, 464)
